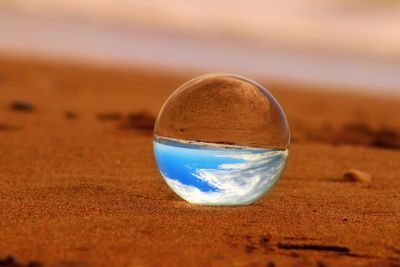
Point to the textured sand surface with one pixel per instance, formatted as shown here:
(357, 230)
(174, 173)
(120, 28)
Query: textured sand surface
(79, 185)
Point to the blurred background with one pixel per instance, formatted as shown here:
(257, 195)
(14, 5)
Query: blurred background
(341, 44)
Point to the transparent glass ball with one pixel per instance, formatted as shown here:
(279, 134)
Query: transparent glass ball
(221, 139)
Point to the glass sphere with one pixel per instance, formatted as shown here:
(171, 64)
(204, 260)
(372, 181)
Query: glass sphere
(221, 139)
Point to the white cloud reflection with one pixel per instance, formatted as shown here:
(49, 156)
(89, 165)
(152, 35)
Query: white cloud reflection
(238, 183)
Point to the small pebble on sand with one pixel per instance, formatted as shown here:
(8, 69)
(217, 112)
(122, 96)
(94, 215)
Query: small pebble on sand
(22, 106)
(70, 115)
(354, 175)
(142, 120)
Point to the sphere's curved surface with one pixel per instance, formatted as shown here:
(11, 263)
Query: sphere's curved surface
(221, 139)
(224, 109)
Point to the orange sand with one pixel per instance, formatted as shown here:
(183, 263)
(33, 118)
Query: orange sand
(79, 190)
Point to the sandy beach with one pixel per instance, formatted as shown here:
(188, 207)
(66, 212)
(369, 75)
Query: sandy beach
(79, 185)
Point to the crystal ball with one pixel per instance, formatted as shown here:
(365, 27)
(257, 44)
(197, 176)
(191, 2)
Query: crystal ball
(221, 139)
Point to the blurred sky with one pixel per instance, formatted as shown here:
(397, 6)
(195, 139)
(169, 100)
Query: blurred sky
(333, 42)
